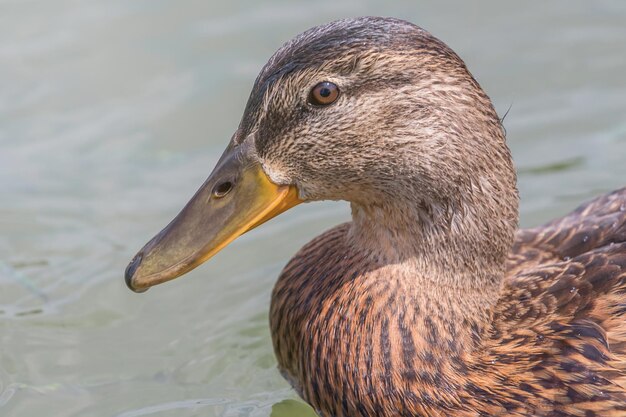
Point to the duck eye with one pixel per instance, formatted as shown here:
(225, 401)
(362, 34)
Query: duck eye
(324, 93)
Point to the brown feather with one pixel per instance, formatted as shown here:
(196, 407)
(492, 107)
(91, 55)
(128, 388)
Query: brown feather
(555, 345)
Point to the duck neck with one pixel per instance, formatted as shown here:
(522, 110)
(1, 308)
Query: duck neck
(444, 258)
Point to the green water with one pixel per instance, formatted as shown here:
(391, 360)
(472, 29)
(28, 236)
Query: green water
(113, 112)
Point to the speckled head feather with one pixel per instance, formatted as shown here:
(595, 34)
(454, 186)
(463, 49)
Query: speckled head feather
(403, 93)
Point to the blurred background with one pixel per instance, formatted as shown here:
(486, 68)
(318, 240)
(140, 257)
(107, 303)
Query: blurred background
(112, 113)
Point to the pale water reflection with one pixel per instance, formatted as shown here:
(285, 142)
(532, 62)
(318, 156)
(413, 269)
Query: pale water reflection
(113, 113)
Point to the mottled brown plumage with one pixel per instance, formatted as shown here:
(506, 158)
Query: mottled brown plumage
(429, 302)
(361, 343)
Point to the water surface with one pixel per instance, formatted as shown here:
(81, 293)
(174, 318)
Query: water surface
(113, 112)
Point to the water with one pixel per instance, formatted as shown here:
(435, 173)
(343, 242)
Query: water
(112, 114)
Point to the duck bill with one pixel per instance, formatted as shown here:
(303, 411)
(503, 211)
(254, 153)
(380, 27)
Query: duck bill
(237, 197)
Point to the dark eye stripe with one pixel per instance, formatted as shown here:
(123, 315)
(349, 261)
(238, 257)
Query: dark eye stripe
(324, 93)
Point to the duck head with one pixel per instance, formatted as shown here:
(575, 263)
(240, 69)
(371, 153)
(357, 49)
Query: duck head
(373, 111)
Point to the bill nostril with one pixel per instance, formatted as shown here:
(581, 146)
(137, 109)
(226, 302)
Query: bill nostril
(223, 188)
(131, 268)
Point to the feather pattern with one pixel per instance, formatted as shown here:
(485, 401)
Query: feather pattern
(554, 346)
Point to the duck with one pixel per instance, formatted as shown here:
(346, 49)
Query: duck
(430, 301)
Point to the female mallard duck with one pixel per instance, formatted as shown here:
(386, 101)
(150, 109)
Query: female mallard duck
(428, 303)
